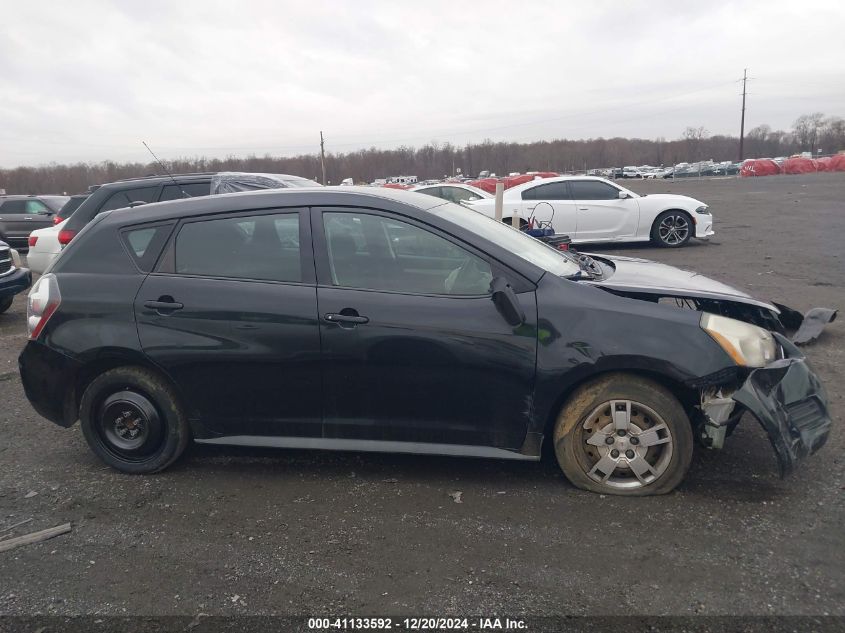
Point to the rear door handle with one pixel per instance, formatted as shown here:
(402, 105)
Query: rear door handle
(333, 317)
(583, 208)
(163, 306)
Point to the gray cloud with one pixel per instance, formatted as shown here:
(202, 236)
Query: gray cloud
(88, 80)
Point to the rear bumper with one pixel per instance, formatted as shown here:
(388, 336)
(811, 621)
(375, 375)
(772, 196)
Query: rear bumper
(38, 261)
(49, 380)
(790, 403)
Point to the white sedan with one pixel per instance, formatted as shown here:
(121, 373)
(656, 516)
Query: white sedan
(44, 247)
(453, 192)
(590, 209)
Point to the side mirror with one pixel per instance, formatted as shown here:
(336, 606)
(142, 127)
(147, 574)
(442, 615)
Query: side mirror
(504, 298)
(623, 195)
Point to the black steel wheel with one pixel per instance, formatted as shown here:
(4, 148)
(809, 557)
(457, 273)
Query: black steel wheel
(132, 420)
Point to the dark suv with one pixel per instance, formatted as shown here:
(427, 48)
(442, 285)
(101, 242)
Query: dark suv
(379, 320)
(21, 215)
(131, 192)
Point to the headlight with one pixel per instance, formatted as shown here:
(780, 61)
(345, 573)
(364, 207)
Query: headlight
(702, 210)
(747, 344)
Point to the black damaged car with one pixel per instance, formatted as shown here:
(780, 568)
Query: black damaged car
(354, 319)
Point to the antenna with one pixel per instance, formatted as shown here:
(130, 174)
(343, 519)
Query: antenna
(184, 193)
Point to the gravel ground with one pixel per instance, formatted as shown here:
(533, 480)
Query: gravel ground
(240, 531)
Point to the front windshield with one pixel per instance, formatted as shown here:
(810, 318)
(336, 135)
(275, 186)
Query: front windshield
(509, 238)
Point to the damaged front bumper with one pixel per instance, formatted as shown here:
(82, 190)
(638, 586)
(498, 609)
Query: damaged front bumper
(787, 399)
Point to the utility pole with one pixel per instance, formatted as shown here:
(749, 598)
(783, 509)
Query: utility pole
(742, 121)
(323, 156)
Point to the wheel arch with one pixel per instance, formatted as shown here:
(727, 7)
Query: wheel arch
(687, 213)
(112, 359)
(687, 396)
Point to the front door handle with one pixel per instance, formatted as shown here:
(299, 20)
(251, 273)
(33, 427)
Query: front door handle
(583, 208)
(164, 305)
(354, 319)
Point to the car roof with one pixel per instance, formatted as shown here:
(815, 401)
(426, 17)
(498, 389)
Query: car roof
(271, 198)
(546, 181)
(157, 179)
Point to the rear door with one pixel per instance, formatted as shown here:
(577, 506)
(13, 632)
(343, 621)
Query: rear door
(602, 214)
(414, 350)
(230, 313)
(550, 204)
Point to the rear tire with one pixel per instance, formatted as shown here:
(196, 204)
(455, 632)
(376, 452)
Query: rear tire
(6, 303)
(622, 434)
(133, 421)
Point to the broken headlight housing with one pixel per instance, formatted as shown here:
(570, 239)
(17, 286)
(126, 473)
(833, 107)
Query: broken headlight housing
(746, 344)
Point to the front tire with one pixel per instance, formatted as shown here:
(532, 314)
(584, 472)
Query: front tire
(623, 435)
(6, 303)
(133, 421)
(672, 229)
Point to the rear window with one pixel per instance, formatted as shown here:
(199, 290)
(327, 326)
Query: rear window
(70, 206)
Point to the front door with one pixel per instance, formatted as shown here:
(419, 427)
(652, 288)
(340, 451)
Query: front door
(602, 214)
(230, 315)
(414, 350)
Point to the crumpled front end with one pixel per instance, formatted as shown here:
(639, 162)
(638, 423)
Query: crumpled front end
(788, 400)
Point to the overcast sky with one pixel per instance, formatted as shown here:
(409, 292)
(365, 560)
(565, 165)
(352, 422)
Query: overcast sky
(87, 81)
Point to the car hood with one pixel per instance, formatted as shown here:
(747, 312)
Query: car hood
(644, 276)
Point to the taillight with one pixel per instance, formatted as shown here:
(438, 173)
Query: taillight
(57, 220)
(33, 240)
(65, 236)
(44, 300)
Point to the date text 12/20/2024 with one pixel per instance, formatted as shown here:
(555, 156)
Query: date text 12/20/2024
(417, 624)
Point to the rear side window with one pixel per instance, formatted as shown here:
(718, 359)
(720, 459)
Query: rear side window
(125, 198)
(550, 191)
(263, 247)
(14, 207)
(593, 190)
(193, 189)
(144, 243)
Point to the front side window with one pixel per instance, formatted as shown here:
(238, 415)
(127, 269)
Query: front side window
(379, 253)
(125, 198)
(264, 247)
(550, 191)
(36, 207)
(593, 190)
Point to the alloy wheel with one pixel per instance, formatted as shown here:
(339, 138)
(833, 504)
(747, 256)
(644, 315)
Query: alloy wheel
(674, 229)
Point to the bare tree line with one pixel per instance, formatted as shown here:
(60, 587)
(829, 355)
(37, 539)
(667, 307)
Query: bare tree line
(810, 132)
